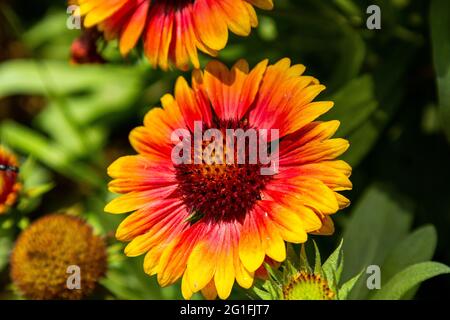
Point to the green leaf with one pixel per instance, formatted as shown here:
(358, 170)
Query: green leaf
(407, 279)
(377, 223)
(347, 287)
(354, 104)
(32, 174)
(349, 7)
(417, 247)
(318, 262)
(127, 280)
(40, 190)
(304, 263)
(30, 142)
(388, 94)
(77, 96)
(265, 295)
(273, 272)
(351, 48)
(44, 33)
(440, 36)
(291, 255)
(5, 247)
(292, 262)
(333, 265)
(271, 289)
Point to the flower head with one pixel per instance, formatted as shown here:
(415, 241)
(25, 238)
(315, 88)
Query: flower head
(213, 217)
(9, 185)
(297, 280)
(172, 30)
(46, 249)
(306, 286)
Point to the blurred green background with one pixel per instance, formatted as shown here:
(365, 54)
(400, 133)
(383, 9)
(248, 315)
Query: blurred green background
(391, 89)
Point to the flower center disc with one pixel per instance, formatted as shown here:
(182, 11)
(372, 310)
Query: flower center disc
(219, 189)
(306, 286)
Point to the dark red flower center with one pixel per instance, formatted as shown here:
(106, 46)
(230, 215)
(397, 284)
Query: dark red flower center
(221, 191)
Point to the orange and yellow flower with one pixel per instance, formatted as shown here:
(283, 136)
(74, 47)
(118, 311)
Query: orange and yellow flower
(212, 224)
(172, 30)
(9, 186)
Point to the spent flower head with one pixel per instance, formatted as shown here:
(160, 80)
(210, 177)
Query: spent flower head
(45, 251)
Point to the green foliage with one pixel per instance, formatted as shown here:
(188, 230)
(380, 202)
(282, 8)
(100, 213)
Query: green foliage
(407, 279)
(440, 36)
(377, 224)
(5, 245)
(127, 280)
(378, 234)
(332, 268)
(416, 247)
(78, 98)
(36, 182)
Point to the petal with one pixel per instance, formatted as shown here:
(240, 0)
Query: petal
(139, 173)
(243, 277)
(343, 201)
(307, 192)
(310, 219)
(201, 95)
(185, 288)
(184, 40)
(133, 30)
(263, 4)
(154, 139)
(288, 224)
(88, 5)
(251, 249)
(175, 256)
(154, 144)
(191, 106)
(145, 218)
(231, 92)
(138, 199)
(252, 14)
(273, 243)
(237, 17)
(101, 11)
(306, 113)
(334, 174)
(315, 151)
(201, 265)
(327, 228)
(224, 275)
(284, 99)
(210, 23)
(159, 34)
(314, 131)
(114, 25)
(250, 87)
(210, 292)
(164, 230)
